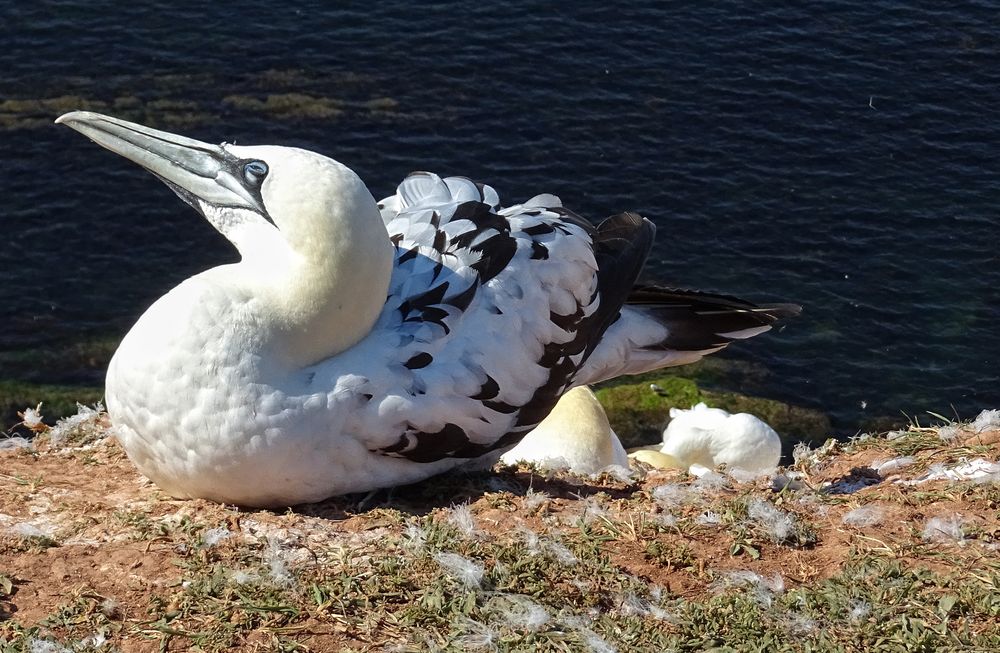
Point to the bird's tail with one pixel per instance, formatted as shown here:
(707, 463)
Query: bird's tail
(661, 327)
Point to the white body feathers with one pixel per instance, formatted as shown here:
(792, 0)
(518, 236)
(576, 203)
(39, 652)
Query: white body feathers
(711, 436)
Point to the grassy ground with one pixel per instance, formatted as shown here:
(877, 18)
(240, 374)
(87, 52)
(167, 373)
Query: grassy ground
(832, 556)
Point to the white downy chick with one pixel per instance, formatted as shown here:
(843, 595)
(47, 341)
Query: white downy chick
(576, 435)
(710, 437)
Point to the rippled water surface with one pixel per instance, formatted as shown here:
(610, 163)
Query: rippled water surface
(842, 155)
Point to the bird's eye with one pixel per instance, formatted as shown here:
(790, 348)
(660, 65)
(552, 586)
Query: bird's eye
(255, 171)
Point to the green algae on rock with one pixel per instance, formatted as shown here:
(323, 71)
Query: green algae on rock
(166, 100)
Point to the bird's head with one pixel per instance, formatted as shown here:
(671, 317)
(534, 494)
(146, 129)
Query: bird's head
(267, 200)
(315, 252)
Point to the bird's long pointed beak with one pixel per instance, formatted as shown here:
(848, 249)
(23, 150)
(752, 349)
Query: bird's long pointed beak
(193, 169)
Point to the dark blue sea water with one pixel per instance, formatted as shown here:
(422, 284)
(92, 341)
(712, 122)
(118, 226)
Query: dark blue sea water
(840, 154)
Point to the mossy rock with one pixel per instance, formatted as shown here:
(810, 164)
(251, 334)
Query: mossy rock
(382, 104)
(57, 401)
(639, 413)
(287, 105)
(711, 372)
(81, 362)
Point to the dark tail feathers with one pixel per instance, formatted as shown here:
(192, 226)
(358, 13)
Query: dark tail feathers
(698, 321)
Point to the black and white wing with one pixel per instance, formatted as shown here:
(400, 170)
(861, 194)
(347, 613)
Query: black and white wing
(492, 314)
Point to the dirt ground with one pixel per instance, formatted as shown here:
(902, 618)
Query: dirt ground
(91, 549)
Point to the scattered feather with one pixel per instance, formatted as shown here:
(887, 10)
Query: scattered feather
(36, 645)
(415, 537)
(802, 453)
(243, 577)
(634, 605)
(560, 553)
(763, 589)
(893, 464)
(96, 640)
(468, 572)
(478, 636)
(82, 427)
(16, 442)
(813, 503)
(944, 529)
(592, 509)
(978, 469)
(28, 530)
(520, 613)
(949, 432)
(709, 481)
(213, 536)
(672, 495)
(709, 518)
(277, 560)
(666, 519)
(533, 500)
(594, 642)
(620, 473)
(779, 525)
(864, 516)
(987, 420)
(799, 624)
(500, 570)
(461, 518)
(32, 418)
(531, 540)
(859, 611)
(110, 608)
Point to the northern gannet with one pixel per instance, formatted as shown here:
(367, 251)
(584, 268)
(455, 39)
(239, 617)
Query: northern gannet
(361, 344)
(575, 435)
(708, 437)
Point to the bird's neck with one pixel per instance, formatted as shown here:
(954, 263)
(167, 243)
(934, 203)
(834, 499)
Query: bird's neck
(318, 304)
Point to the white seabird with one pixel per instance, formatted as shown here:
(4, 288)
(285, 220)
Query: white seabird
(575, 435)
(709, 437)
(359, 345)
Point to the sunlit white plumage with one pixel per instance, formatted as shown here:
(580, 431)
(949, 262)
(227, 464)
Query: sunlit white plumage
(709, 437)
(359, 345)
(576, 435)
